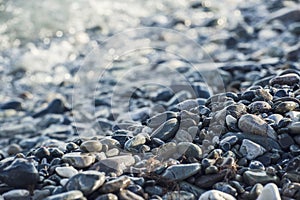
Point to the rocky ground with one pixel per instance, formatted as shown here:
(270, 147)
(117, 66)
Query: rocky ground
(195, 100)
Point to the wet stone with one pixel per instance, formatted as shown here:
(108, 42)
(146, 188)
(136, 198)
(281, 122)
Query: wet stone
(167, 130)
(87, 182)
(79, 160)
(253, 124)
(18, 169)
(189, 149)
(251, 150)
(181, 171)
(115, 185)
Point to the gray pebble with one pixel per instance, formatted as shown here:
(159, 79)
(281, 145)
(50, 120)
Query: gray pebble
(87, 182)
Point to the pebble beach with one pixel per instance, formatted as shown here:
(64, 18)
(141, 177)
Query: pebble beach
(158, 100)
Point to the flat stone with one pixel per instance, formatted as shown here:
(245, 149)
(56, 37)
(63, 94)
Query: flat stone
(91, 146)
(253, 177)
(87, 182)
(115, 164)
(216, 195)
(17, 195)
(115, 185)
(18, 173)
(79, 160)
(167, 130)
(286, 79)
(181, 171)
(253, 124)
(251, 150)
(270, 191)
(66, 172)
(71, 195)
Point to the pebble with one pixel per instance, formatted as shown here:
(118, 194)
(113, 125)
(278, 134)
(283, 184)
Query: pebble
(189, 149)
(18, 169)
(286, 106)
(253, 124)
(251, 150)
(87, 182)
(253, 177)
(91, 146)
(66, 172)
(71, 195)
(216, 195)
(207, 181)
(128, 195)
(17, 195)
(115, 185)
(294, 128)
(160, 118)
(79, 160)
(16, 105)
(56, 106)
(286, 79)
(285, 140)
(255, 191)
(270, 191)
(109, 196)
(115, 164)
(259, 107)
(13, 149)
(184, 195)
(167, 130)
(154, 190)
(181, 171)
